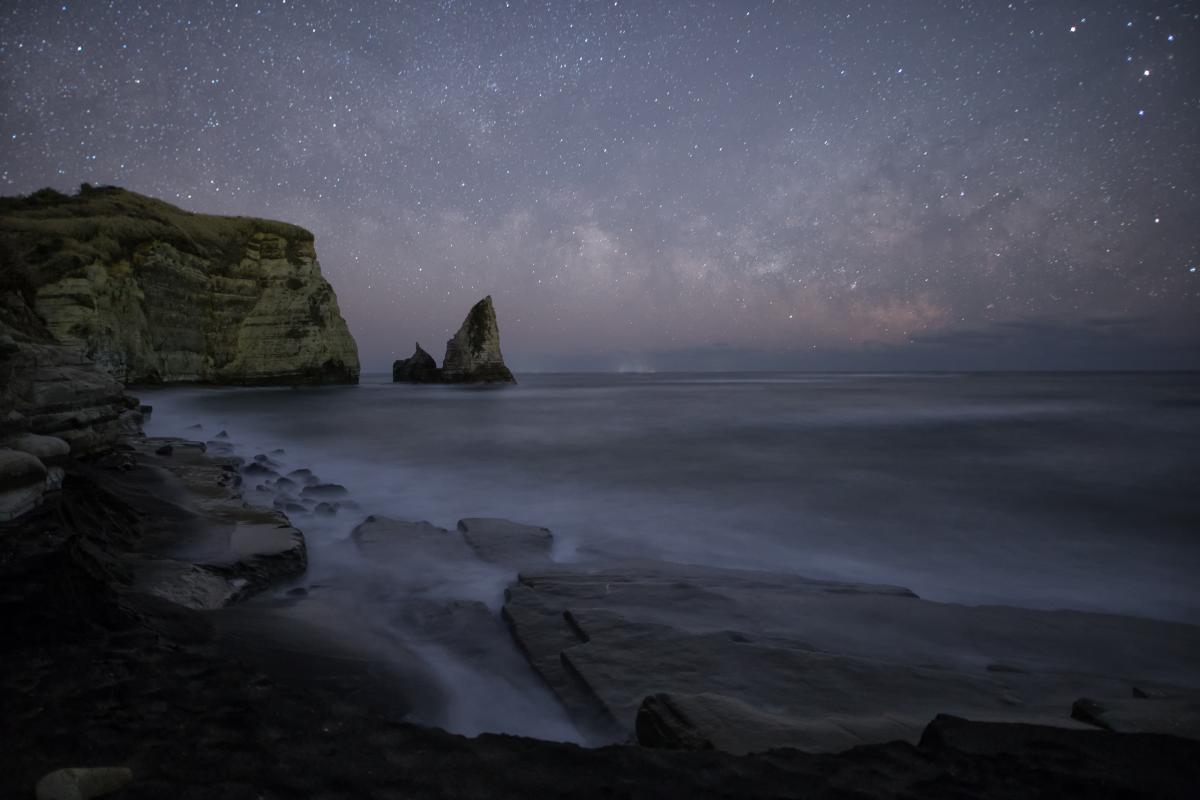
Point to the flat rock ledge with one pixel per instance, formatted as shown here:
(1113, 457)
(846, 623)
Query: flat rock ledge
(204, 547)
(700, 658)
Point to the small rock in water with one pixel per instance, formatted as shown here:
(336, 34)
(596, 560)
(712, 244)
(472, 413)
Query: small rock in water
(256, 468)
(82, 783)
(327, 490)
(196, 427)
(283, 501)
(278, 451)
(326, 508)
(299, 591)
(223, 435)
(285, 484)
(165, 450)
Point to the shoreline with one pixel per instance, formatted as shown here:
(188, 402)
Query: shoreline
(108, 674)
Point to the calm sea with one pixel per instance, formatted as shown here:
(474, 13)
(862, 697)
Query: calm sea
(1043, 490)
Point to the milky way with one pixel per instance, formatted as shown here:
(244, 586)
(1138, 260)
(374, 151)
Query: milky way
(665, 185)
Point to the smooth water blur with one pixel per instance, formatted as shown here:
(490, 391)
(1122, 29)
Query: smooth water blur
(1042, 490)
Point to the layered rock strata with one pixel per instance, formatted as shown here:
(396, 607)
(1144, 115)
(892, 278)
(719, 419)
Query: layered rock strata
(55, 405)
(155, 294)
(689, 656)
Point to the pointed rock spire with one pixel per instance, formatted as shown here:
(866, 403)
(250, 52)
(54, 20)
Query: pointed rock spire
(473, 355)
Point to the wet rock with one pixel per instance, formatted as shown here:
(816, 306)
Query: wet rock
(502, 541)
(304, 476)
(328, 509)
(83, 783)
(282, 501)
(324, 491)
(1175, 712)
(759, 660)
(255, 468)
(165, 450)
(391, 539)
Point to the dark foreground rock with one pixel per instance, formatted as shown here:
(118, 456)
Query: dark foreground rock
(94, 673)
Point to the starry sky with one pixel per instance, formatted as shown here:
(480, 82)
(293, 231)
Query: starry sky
(665, 185)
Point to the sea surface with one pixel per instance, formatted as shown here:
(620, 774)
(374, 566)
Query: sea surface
(1040, 490)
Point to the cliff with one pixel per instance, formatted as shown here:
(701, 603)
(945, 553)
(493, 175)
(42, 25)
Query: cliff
(155, 294)
(55, 404)
(473, 355)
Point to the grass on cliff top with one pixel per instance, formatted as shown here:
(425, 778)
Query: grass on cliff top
(47, 235)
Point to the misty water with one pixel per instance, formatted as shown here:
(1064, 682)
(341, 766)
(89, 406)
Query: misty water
(1039, 490)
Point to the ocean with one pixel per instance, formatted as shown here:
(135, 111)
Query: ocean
(1038, 490)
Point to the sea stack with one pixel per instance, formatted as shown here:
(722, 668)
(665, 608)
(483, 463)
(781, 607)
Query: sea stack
(473, 355)
(419, 368)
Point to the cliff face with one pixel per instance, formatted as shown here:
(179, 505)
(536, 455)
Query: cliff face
(55, 404)
(473, 355)
(154, 294)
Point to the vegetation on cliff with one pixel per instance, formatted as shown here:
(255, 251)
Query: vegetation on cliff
(154, 293)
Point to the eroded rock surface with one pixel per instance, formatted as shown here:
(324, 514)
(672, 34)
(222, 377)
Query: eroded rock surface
(154, 294)
(205, 547)
(501, 541)
(753, 660)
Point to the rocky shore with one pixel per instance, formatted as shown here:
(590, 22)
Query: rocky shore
(105, 665)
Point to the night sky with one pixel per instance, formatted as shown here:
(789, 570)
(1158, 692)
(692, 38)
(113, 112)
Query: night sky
(657, 185)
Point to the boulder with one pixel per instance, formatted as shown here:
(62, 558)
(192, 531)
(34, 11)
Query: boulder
(473, 355)
(83, 783)
(418, 368)
(22, 483)
(394, 541)
(47, 449)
